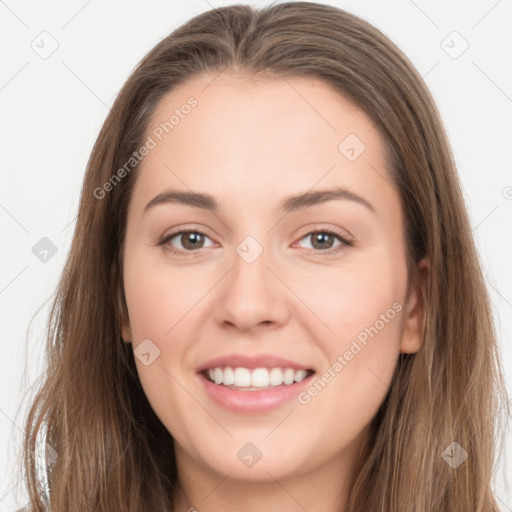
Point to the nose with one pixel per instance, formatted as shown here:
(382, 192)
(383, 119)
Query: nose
(251, 296)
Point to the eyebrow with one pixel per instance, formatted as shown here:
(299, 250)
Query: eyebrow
(289, 204)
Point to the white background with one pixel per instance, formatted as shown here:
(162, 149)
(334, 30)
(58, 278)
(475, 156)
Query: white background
(52, 110)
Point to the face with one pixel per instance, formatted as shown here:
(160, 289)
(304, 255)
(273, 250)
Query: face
(241, 268)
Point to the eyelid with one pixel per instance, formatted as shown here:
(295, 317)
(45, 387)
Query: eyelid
(325, 228)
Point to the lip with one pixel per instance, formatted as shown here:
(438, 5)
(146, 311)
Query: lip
(251, 402)
(252, 362)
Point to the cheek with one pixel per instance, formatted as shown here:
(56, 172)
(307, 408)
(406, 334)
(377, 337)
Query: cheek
(158, 297)
(360, 356)
(357, 318)
(163, 305)
(160, 304)
(345, 302)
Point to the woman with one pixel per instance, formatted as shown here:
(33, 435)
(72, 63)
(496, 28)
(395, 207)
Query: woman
(261, 305)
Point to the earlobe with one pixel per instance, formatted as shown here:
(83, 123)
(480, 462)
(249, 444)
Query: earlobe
(412, 331)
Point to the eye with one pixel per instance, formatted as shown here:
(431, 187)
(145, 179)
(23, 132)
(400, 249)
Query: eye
(324, 241)
(187, 241)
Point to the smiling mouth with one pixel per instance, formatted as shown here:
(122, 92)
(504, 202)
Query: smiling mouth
(257, 379)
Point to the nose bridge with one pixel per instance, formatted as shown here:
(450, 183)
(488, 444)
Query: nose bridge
(250, 276)
(251, 293)
(250, 264)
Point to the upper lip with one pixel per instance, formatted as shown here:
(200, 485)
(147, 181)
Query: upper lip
(251, 362)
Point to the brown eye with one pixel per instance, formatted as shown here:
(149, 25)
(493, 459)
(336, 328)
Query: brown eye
(186, 241)
(326, 241)
(192, 240)
(322, 240)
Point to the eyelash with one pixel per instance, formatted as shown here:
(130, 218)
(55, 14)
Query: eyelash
(327, 252)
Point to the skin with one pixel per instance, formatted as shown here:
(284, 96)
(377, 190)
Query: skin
(250, 144)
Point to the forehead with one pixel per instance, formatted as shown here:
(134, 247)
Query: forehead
(262, 139)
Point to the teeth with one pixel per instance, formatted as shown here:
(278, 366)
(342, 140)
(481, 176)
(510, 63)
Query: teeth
(242, 377)
(228, 378)
(257, 378)
(300, 375)
(288, 376)
(276, 377)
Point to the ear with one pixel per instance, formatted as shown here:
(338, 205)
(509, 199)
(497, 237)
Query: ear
(412, 331)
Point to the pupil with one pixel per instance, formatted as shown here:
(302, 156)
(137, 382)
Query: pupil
(192, 239)
(323, 238)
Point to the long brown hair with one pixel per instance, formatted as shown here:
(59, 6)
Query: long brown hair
(113, 453)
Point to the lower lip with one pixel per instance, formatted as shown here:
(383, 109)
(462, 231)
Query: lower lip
(247, 402)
